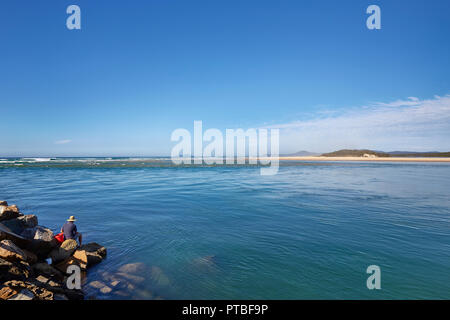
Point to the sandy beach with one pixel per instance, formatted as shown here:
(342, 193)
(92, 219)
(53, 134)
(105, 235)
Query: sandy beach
(379, 159)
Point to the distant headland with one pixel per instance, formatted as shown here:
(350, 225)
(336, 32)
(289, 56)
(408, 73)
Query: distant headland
(370, 155)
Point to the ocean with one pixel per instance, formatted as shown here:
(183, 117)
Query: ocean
(226, 232)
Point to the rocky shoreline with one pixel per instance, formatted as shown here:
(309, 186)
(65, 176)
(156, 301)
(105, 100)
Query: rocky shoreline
(34, 265)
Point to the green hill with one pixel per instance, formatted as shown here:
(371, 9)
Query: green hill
(355, 153)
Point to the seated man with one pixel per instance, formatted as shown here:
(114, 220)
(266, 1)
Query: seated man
(70, 230)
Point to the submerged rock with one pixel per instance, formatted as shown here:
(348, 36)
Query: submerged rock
(159, 277)
(134, 268)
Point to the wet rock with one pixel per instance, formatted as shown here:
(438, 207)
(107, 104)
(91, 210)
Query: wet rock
(95, 253)
(3, 203)
(94, 248)
(64, 251)
(9, 212)
(9, 251)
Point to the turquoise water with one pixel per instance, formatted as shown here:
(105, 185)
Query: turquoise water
(308, 232)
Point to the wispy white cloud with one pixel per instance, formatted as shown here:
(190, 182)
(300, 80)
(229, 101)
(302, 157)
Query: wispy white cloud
(410, 124)
(63, 141)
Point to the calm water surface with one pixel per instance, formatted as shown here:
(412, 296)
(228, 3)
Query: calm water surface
(229, 233)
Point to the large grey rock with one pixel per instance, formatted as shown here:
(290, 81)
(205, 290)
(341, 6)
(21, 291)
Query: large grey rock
(38, 233)
(19, 224)
(29, 220)
(43, 233)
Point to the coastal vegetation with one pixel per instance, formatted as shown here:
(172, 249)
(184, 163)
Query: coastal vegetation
(372, 153)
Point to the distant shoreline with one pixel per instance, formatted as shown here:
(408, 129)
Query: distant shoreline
(368, 159)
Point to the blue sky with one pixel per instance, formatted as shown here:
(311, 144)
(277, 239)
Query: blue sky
(137, 70)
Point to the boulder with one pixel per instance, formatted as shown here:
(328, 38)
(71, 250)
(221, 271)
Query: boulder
(29, 220)
(81, 256)
(94, 247)
(41, 248)
(41, 241)
(64, 251)
(19, 224)
(30, 256)
(9, 251)
(43, 268)
(3, 203)
(49, 284)
(9, 212)
(38, 292)
(15, 225)
(63, 265)
(6, 233)
(10, 270)
(95, 253)
(7, 292)
(38, 233)
(24, 294)
(43, 233)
